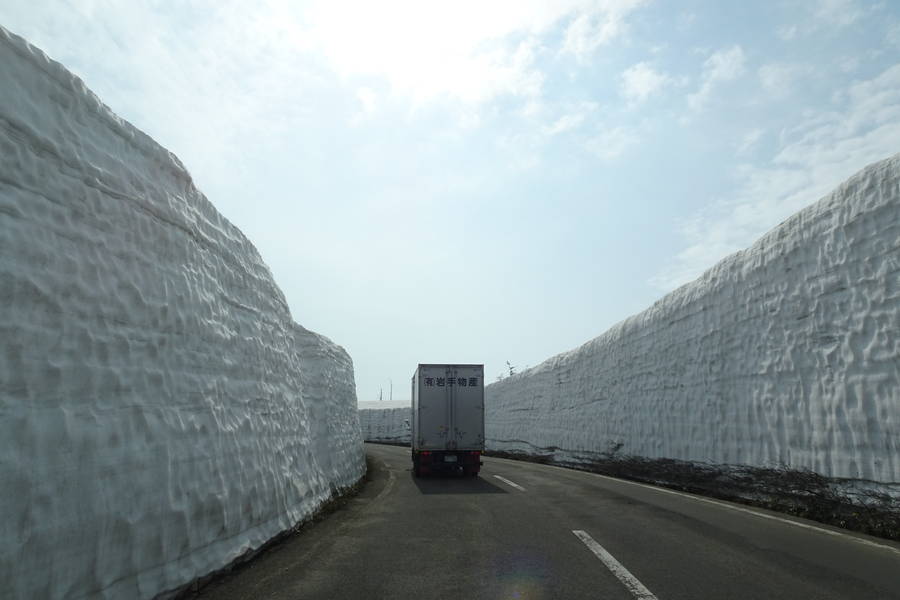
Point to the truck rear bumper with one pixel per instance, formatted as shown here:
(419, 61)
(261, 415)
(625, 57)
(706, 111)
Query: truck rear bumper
(458, 461)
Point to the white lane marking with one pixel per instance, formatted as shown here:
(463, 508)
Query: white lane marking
(749, 512)
(634, 586)
(508, 482)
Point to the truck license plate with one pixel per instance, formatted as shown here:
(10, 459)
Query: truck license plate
(450, 458)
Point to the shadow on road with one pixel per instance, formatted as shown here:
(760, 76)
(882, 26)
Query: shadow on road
(454, 484)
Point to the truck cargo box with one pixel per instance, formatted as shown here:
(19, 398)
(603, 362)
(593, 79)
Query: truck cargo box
(447, 418)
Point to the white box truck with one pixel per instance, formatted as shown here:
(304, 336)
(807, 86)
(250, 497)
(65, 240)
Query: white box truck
(447, 419)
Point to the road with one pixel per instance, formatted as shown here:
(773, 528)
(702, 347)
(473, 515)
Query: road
(544, 532)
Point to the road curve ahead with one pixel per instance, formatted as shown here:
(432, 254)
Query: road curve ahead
(527, 531)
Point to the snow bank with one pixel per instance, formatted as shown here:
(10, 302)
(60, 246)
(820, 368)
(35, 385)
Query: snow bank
(383, 404)
(385, 424)
(160, 412)
(787, 352)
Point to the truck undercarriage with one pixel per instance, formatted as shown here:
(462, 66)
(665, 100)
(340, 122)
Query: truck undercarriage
(463, 462)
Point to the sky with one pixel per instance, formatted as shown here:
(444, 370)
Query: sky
(492, 181)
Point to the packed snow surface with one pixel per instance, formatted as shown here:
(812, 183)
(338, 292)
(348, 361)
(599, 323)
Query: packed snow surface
(160, 411)
(384, 404)
(385, 424)
(785, 353)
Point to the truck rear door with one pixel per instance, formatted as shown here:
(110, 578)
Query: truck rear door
(433, 427)
(466, 385)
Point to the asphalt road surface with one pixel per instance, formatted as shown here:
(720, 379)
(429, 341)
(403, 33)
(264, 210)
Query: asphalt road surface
(526, 531)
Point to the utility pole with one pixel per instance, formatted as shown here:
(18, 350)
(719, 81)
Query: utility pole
(380, 390)
(391, 398)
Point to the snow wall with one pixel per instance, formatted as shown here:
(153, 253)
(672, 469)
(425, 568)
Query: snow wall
(785, 353)
(385, 424)
(160, 412)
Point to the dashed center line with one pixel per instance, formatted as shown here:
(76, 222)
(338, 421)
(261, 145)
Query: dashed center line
(510, 483)
(634, 586)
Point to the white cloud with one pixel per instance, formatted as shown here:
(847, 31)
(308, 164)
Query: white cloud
(787, 32)
(685, 21)
(532, 108)
(778, 79)
(749, 141)
(848, 64)
(564, 123)
(722, 66)
(640, 81)
(824, 14)
(367, 98)
(467, 51)
(263, 68)
(523, 149)
(423, 51)
(816, 155)
(893, 35)
(596, 25)
(837, 12)
(611, 143)
(573, 117)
